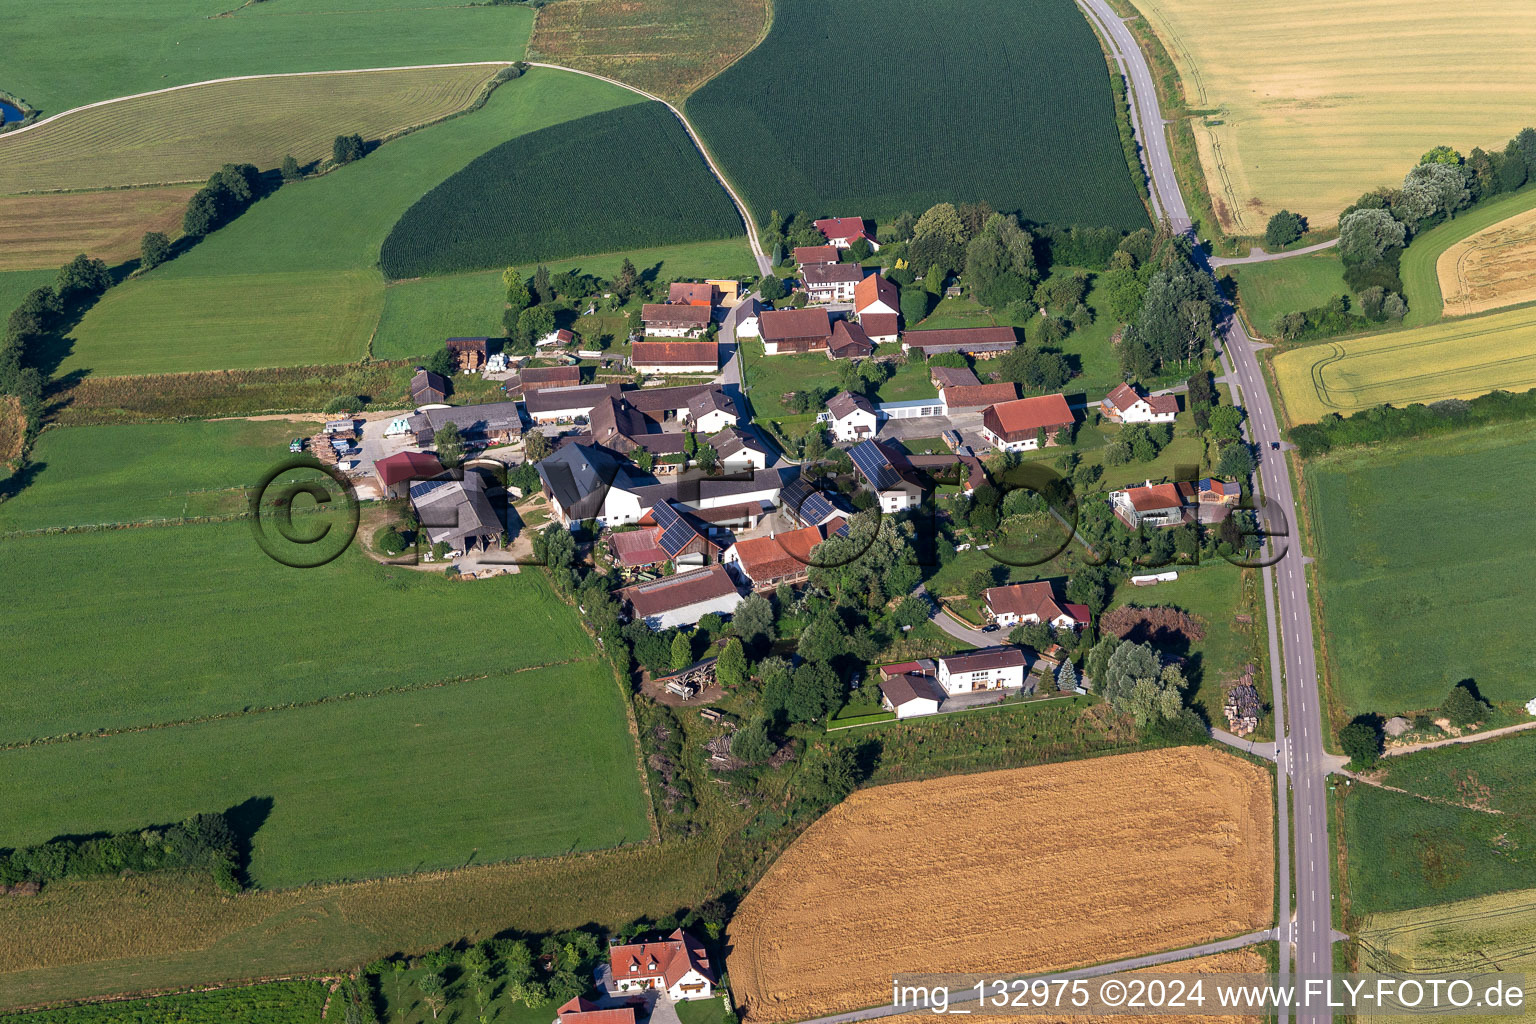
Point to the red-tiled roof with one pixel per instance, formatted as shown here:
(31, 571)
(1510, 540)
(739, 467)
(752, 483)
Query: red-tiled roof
(1024, 599)
(805, 255)
(674, 353)
(1123, 397)
(1163, 405)
(637, 547)
(691, 294)
(1157, 496)
(787, 554)
(1016, 421)
(849, 339)
(985, 660)
(584, 1011)
(778, 324)
(874, 288)
(392, 469)
(671, 958)
(842, 227)
(680, 591)
(880, 325)
(977, 396)
(1081, 613)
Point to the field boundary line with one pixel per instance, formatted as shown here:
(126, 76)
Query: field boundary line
(962, 711)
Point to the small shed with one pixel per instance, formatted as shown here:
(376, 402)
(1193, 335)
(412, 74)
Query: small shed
(428, 388)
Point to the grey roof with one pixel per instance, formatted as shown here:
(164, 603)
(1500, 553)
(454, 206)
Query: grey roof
(473, 421)
(424, 379)
(710, 401)
(733, 439)
(809, 506)
(693, 490)
(844, 403)
(673, 593)
(832, 273)
(579, 476)
(901, 689)
(581, 396)
(454, 511)
(872, 461)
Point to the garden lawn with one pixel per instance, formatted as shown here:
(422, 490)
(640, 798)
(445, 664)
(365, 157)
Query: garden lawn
(992, 100)
(1405, 852)
(190, 621)
(138, 47)
(419, 313)
(1268, 291)
(306, 238)
(356, 787)
(770, 378)
(122, 474)
(1415, 535)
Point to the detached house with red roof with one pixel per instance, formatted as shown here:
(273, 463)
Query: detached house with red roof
(876, 294)
(1127, 405)
(584, 1011)
(1155, 505)
(1020, 603)
(677, 966)
(844, 231)
(1019, 426)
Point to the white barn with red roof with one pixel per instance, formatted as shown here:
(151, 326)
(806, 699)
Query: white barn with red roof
(677, 966)
(1019, 426)
(876, 294)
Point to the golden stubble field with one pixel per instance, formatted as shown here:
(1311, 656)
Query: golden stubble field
(48, 230)
(1495, 267)
(1029, 869)
(1315, 101)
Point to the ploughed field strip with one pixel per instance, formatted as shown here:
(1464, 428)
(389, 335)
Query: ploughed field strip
(994, 872)
(188, 134)
(1453, 359)
(1297, 113)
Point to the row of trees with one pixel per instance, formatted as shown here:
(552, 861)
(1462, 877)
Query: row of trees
(39, 314)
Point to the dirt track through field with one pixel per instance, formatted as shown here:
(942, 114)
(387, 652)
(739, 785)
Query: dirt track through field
(1029, 869)
(1495, 267)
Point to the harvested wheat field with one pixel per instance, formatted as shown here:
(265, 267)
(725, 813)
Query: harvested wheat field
(1495, 267)
(187, 134)
(1238, 961)
(1312, 102)
(1450, 359)
(1023, 870)
(48, 230)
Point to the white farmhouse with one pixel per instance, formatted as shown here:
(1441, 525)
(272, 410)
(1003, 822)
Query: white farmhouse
(1127, 405)
(991, 668)
(853, 417)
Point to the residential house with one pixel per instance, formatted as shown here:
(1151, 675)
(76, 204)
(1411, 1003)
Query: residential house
(978, 342)
(711, 410)
(584, 1011)
(876, 294)
(566, 404)
(842, 232)
(882, 328)
(832, 282)
(677, 966)
(746, 319)
(469, 354)
(1126, 404)
(665, 320)
(766, 562)
(490, 425)
(558, 338)
(991, 668)
(807, 505)
(428, 388)
(691, 293)
(911, 696)
(675, 356)
(536, 378)
(1215, 499)
(1019, 425)
(1154, 505)
(457, 513)
(739, 450)
(795, 330)
(853, 417)
(658, 419)
(849, 342)
(629, 499)
(1020, 603)
(578, 480)
(970, 397)
(888, 474)
(815, 255)
(397, 472)
(683, 599)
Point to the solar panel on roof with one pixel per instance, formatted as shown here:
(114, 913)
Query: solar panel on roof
(871, 461)
(676, 532)
(426, 487)
(810, 507)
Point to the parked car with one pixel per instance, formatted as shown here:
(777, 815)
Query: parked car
(296, 445)
(990, 627)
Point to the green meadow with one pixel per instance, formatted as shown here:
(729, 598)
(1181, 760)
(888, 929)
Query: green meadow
(1270, 290)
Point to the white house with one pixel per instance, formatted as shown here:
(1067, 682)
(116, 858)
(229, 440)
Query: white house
(683, 599)
(739, 450)
(895, 487)
(558, 337)
(911, 696)
(853, 417)
(832, 282)
(1031, 602)
(1018, 426)
(991, 668)
(710, 411)
(677, 965)
(1125, 404)
(674, 320)
(746, 316)
(844, 231)
(876, 294)
(561, 405)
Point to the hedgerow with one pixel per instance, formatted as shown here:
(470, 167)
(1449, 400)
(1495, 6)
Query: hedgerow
(872, 107)
(203, 842)
(624, 179)
(278, 1002)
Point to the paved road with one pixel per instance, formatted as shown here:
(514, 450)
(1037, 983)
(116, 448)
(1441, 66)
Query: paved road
(1257, 255)
(1134, 963)
(1298, 706)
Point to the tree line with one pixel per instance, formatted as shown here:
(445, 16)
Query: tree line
(204, 842)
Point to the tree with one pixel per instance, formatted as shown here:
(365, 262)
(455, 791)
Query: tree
(682, 651)
(291, 170)
(1365, 235)
(751, 742)
(624, 284)
(1462, 708)
(1442, 155)
(535, 446)
(1435, 188)
(1129, 663)
(534, 323)
(1066, 677)
(1361, 740)
(1284, 228)
(433, 992)
(1226, 421)
(976, 583)
(543, 291)
(82, 276)
(449, 443)
(731, 665)
(753, 618)
(347, 148)
(517, 292)
(1160, 698)
(154, 249)
(771, 288)
(706, 457)
(1235, 462)
(1097, 663)
(822, 640)
(644, 460)
(813, 692)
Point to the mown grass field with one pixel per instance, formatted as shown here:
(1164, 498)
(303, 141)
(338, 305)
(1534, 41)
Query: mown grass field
(1492, 775)
(1316, 102)
(1268, 291)
(188, 134)
(419, 313)
(1492, 933)
(48, 231)
(666, 47)
(85, 476)
(190, 621)
(355, 786)
(1460, 358)
(467, 223)
(981, 100)
(293, 244)
(1417, 544)
(14, 284)
(133, 48)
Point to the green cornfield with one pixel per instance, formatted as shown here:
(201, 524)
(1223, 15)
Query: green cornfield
(279, 1002)
(866, 108)
(623, 179)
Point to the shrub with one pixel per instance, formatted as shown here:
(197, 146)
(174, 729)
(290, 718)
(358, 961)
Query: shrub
(347, 148)
(1284, 228)
(344, 403)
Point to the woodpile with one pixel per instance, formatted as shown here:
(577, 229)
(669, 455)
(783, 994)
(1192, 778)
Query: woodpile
(320, 448)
